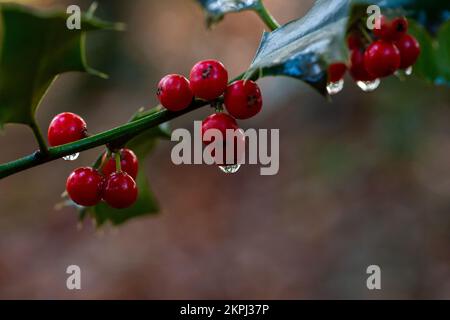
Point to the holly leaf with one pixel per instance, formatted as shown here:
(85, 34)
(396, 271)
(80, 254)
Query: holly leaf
(304, 48)
(434, 60)
(216, 9)
(35, 47)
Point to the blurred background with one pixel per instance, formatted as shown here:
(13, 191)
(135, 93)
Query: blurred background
(363, 180)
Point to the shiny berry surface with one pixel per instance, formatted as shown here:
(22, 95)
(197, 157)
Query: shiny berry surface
(223, 122)
(243, 99)
(128, 161)
(409, 49)
(174, 92)
(357, 69)
(65, 128)
(84, 186)
(336, 71)
(120, 190)
(208, 79)
(381, 59)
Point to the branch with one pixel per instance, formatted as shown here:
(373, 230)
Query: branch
(128, 130)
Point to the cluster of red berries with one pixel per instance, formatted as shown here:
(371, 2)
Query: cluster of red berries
(87, 186)
(392, 49)
(208, 81)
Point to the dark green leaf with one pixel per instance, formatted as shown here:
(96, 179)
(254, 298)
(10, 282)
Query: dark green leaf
(216, 9)
(35, 47)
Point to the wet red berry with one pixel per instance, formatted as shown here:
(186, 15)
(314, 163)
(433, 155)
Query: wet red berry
(128, 161)
(84, 186)
(208, 79)
(381, 59)
(243, 99)
(223, 122)
(65, 128)
(357, 69)
(354, 41)
(120, 190)
(174, 92)
(336, 71)
(382, 29)
(409, 49)
(398, 28)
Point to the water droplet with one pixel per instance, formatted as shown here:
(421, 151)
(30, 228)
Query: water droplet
(71, 157)
(368, 86)
(409, 70)
(335, 87)
(230, 168)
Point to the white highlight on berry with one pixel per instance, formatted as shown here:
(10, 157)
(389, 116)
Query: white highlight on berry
(368, 86)
(233, 168)
(335, 87)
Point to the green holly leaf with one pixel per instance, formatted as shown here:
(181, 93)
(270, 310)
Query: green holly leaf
(434, 60)
(216, 9)
(35, 47)
(304, 48)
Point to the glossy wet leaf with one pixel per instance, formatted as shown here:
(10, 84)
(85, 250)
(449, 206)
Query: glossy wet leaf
(35, 47)
(216, 9)
(304, 48)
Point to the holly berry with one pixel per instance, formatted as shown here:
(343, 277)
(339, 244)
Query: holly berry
(223, 122)
(384, 30)
(381, 58)
(357, 68)
(243, 99)
(354, 41)
(128, 161)
(398, 28)
(336, 71)
(409, 49)
(174, 92)
(208, 79)
(120, 190)
(65, 128)
(84, 186)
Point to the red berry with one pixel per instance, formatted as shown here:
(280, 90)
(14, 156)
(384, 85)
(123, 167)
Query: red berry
(174, 92)
(84, 186)
(354, 41)
(381, 59)
(243, 99)
(208, 79)
(120, 190)
(336, 71)
(384, 30)
(409, 49)
(223, 122)
(398, 28)
(128, 162)
(357, 69)
(65, 128)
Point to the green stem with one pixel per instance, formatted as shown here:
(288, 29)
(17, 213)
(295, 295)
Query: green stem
(118, 163)
(265, 15)
(39, 137)
(128, 130)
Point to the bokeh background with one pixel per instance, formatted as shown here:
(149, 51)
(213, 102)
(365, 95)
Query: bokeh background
(363, 180)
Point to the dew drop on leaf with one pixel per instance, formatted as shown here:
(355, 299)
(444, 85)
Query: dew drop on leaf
(72, 157)
(335, 87)
(368, 86)
(230, 168)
